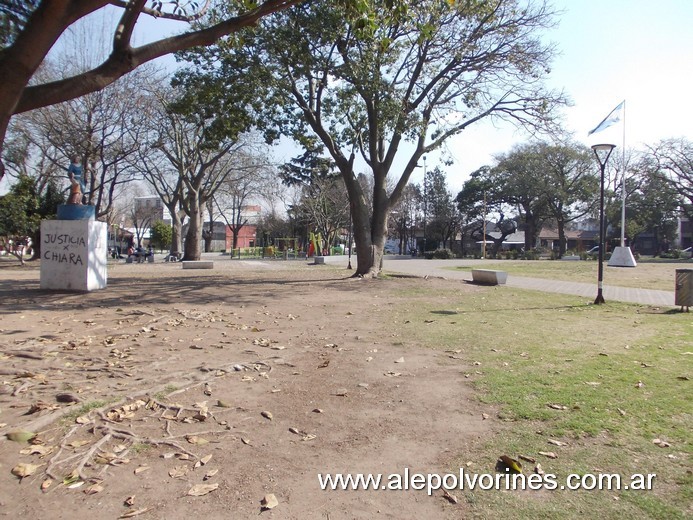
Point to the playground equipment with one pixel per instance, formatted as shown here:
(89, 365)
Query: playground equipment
(315, 245)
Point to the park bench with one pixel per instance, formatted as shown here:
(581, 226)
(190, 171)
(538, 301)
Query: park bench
(198, 264)
(489, 276)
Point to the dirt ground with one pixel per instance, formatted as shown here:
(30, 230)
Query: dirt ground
(145, 392)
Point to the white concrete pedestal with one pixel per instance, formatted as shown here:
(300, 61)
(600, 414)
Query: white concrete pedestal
(74, 255)
(622, 257)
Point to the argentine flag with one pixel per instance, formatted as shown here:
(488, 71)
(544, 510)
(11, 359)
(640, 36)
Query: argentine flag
(613, 118)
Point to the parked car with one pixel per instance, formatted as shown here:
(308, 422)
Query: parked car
(593, 251)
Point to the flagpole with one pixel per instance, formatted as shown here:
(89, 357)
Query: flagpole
(623, 185)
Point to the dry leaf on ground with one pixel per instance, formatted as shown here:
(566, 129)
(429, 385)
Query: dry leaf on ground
(199, 490)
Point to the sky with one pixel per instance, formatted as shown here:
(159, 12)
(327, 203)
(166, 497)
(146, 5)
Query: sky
(609, 51)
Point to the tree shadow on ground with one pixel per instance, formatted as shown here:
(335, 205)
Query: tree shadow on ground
(19, 295)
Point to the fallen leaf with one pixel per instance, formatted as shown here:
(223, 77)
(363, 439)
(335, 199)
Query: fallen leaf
(141, 469)
(129, 501)
(527, 459)
(661, 443)
(78, 444)
(450, 498)
(178, 471)
(134, 512)
(548, 454)
(557, 443)
(266, 415)
(210, 474)
(37, 449)
(400, 360)
(20, 436)
(24, 469)
(317, 410)
(538, 470)
(269, 502)
(622, 412)
(484, 416)
(223, 404)
(194, 439)
(324, 364)
(46, 484)
(93, 489)
(309, 437)
(246, 441)
(558, 407)
(82, 419)
(639, 384)
(199, 490)
(67, 398)
(508, 464)
(204, 460)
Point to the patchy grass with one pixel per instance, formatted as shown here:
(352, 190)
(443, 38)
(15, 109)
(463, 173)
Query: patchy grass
(83, 410)
(647, 275)
(163, 394)
(622, 372)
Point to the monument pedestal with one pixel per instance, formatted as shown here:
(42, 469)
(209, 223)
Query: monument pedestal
(74, 254)
(622, 257)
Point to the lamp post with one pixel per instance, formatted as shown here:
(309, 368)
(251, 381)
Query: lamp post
(602, 152)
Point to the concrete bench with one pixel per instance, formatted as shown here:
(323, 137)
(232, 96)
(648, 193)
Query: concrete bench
(319, 260)
(198, 264)
(570, 257)
(489, 276)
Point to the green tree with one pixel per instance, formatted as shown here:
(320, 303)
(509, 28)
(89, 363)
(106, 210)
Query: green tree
(366, 83)
(161, 235)
(515, 177)
(566, 177)
(21, 211)
(441, 214)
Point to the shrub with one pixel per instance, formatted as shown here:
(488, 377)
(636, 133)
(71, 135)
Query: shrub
(443, 254)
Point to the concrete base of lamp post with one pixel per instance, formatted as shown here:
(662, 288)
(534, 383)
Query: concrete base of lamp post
(622, 257)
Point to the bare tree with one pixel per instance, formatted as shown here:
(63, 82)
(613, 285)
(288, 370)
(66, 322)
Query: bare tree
(675, 159)
(249, 174)
(39, 29)
(103, 129)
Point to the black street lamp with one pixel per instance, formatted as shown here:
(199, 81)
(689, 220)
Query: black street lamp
(602, 151)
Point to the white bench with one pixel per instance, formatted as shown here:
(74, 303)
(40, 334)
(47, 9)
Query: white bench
(198, 264)
(489, 276)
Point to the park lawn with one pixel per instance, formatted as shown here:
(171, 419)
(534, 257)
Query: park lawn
(647, 274)
(622, 372)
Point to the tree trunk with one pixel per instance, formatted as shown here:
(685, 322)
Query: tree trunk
(176, 232)
(193, 238)
(561, 238)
